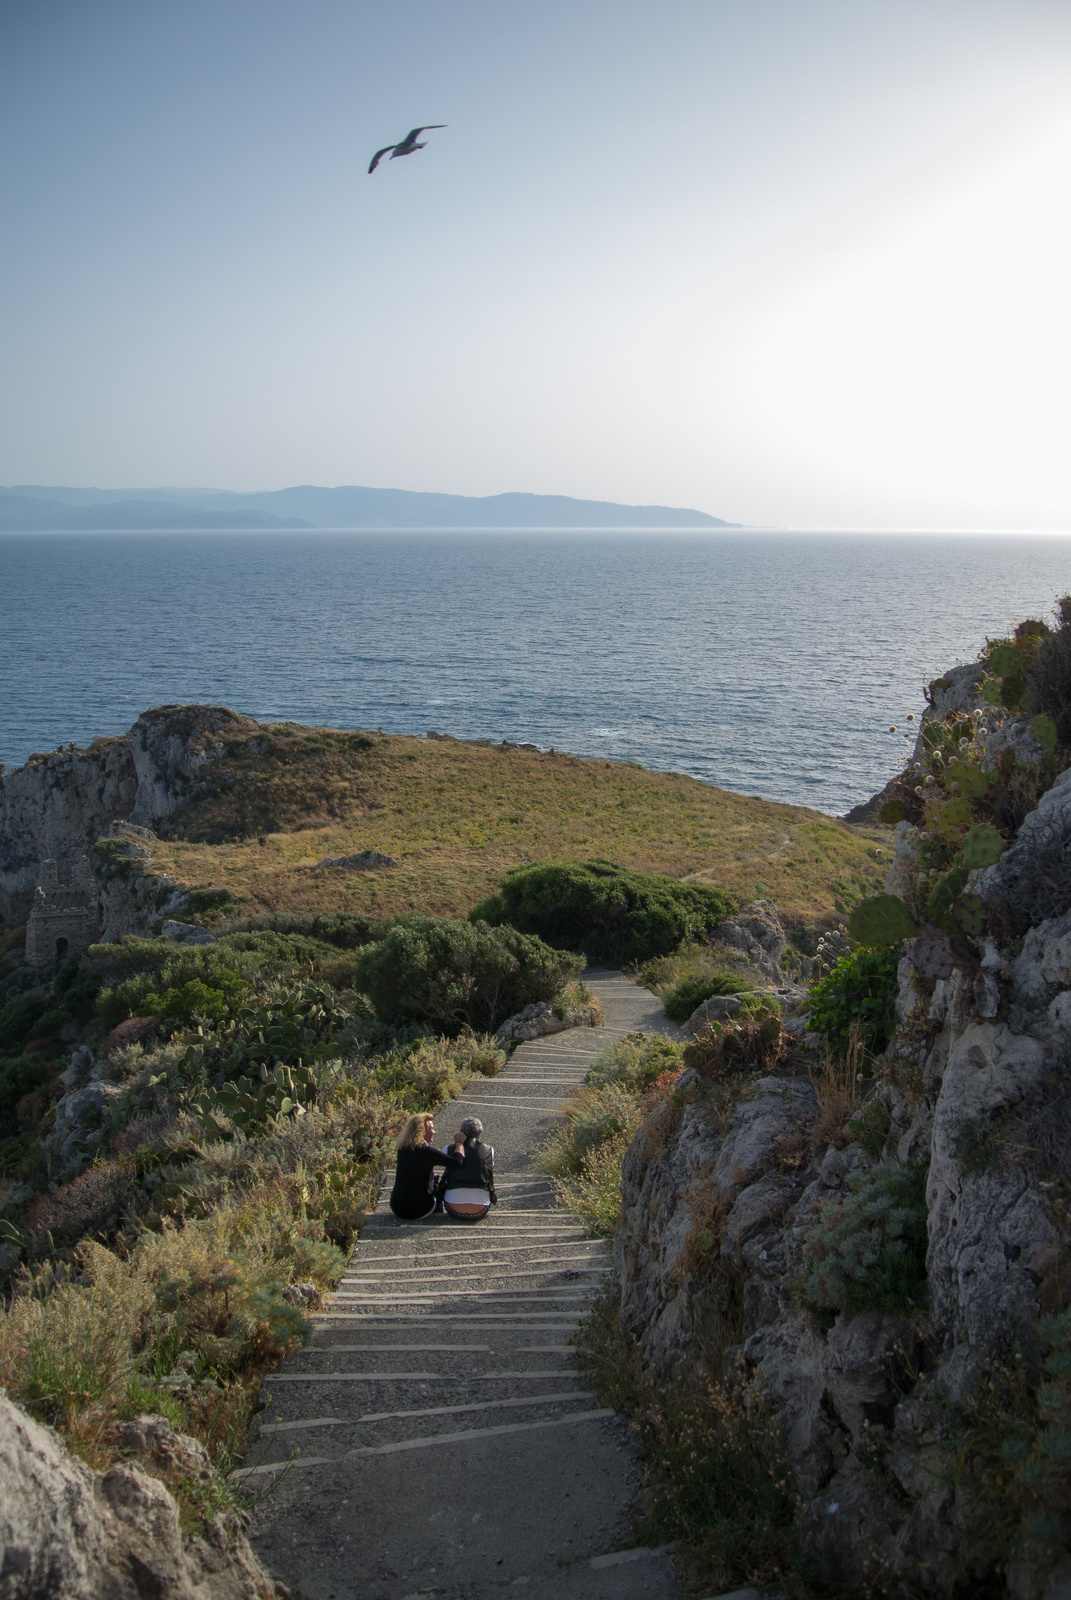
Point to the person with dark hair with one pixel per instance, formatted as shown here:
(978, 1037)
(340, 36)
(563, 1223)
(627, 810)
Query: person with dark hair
(468, 1190)
(414, 1194)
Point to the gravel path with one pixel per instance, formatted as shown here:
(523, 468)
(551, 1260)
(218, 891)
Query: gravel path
(447, 1446)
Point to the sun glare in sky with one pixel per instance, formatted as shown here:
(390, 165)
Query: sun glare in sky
(796, 264)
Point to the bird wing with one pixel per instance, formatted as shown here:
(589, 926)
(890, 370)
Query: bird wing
(411, 138)
(377, 158)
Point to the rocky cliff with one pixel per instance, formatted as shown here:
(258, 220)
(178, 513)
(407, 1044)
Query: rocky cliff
(889, 1260)
(58, 806)
(69, 1533)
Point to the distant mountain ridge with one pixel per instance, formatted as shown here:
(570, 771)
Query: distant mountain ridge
(35, 507)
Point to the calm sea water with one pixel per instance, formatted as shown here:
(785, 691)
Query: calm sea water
(772, 664)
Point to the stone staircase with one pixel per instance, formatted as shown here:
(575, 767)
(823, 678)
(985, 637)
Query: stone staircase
(435, 1439)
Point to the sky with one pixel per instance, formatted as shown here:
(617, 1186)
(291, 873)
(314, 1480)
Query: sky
(802, 263)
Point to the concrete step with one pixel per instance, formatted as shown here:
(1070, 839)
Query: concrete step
(435, 1424)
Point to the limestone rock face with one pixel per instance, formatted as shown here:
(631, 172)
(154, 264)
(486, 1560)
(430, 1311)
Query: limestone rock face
(757, 933)
(69, 1533)
(668, 1190)
(168, 749)
(1033, 877)
(716, 1009)
(722, 1216)
(1042, 970)
(76, 1134)
(57, 808)
(363, 861)
(986, 1227)
(184, 932)
(542, 1018)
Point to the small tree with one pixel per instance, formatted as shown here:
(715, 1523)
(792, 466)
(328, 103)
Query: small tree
(453, 975)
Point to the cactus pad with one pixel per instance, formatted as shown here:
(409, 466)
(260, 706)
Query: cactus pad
(982, 847)
(1044, 730)
(880, 920)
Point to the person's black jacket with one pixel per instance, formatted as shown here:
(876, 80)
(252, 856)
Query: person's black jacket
(410, 1196)
(476, 1171)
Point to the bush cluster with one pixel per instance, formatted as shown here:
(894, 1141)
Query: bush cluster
(1047, 679)
(32, 1012)
(454, 975)
(606, 912)
(688, 995)
(857, 996)
(720, 1484)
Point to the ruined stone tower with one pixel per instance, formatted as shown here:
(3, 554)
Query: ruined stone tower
(64, 918)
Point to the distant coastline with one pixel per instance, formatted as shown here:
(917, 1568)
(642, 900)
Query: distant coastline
(30, 508)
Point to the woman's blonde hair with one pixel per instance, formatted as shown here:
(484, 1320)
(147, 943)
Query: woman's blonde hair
(415, 1132)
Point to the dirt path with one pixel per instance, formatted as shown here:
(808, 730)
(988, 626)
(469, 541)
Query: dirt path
(447, 1446)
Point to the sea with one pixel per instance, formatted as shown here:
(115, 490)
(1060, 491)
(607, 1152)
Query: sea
(772, 664)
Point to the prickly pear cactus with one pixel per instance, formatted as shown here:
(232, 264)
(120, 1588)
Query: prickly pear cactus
(880, 920)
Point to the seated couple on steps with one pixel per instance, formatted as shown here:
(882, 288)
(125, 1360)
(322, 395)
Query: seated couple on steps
(466, 1189)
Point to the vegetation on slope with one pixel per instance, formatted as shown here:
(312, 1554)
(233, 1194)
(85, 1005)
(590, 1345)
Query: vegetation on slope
(280, 798)
(162, 1247)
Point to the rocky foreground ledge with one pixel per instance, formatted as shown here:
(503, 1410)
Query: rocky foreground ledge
(69, 1533)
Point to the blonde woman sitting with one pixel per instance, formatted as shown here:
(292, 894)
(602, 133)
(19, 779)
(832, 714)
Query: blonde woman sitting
(413, 1195)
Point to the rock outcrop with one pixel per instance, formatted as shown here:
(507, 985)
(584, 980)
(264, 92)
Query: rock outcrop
(542, 1018)
(728, 1255)
(756, 936)
(57, 807)
(69, 1533)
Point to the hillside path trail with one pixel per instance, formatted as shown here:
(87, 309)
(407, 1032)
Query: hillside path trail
(448, 1447)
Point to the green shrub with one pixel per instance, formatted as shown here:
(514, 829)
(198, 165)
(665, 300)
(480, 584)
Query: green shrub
(91, 1203)
(210, 902)
(20, 1015)
(868, 1253)
(77, 986)
(636, 1062)
(19, 1075)
(585, 1151)
(694, 961)
(180, 1004)
(594, 1193)
(431, 1071)
(454, 975)
(686, 996)
(280, 949)
(719, 1482)
(155, 970)
(610, 914)
(1048, 673)
(859, 992)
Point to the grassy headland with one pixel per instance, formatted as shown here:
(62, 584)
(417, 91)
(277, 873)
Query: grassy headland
(274, 803)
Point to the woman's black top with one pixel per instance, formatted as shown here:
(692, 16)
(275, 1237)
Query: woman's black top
(477, 1169)
(410, 1197)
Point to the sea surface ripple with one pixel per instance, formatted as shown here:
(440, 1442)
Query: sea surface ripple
(771, 664)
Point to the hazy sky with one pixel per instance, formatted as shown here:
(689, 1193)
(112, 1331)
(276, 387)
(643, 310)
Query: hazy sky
(795, 261)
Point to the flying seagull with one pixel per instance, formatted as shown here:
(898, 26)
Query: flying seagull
(407, 146)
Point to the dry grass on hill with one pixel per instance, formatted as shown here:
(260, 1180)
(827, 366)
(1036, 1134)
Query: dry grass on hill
(457, 815)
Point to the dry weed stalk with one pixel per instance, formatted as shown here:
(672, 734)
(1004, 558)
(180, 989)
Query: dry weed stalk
(836, 1085)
